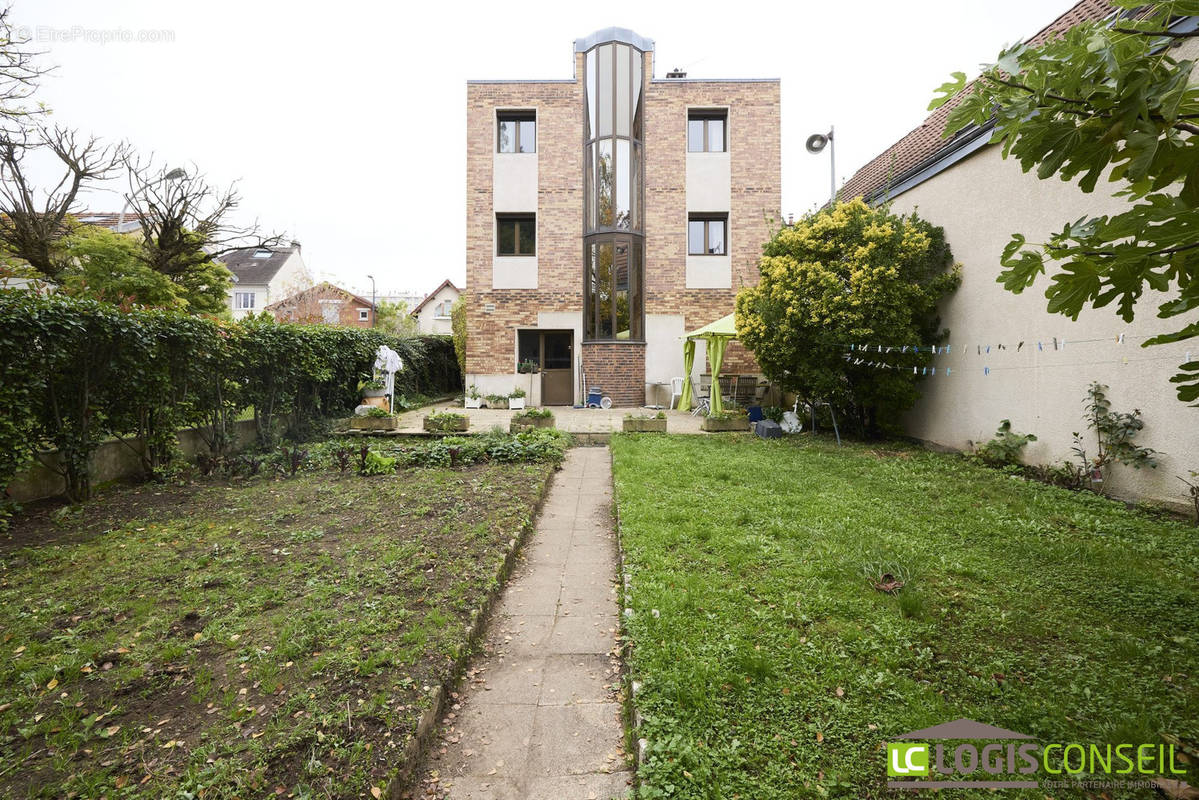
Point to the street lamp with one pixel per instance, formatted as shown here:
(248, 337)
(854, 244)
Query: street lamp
(374, 313)
(176, 174)
(817, 142)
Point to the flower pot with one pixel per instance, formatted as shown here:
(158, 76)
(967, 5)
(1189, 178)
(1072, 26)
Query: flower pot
(377, 402)
(452, 426)
(525, 423)
(374, 392)
(516, 402)
(633, 425)
(473, 402)
(374, 423)
(713, 425)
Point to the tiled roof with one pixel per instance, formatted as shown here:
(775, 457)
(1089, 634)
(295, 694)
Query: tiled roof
(253, 271)
(925, 142)
(323, 291)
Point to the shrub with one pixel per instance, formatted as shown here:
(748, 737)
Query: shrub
(1006, 447)
(377, 413)
(443, 420)
(534, 413)
(375, 464)
(74, 371)
(844, 275)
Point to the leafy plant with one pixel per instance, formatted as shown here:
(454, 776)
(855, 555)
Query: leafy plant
(473, 392)
(377, 413)
(848, 274)
(516, 393)
(1005, 447)
(773, 413)
(372, 383)
(527, 367)
(458, 328)
(496, 400)
(375, 464)
(341, 457)
(1114, 432)
(534, 413)
(1109, 97)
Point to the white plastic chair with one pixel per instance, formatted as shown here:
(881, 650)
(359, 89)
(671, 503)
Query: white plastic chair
(676, 391)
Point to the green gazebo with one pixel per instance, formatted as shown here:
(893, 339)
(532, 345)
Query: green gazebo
(717, 335)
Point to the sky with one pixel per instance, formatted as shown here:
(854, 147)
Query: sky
(344, 123)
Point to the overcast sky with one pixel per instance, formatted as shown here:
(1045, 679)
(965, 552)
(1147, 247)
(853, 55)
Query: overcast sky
(345, 122)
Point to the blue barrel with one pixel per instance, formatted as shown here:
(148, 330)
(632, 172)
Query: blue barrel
(594, 394)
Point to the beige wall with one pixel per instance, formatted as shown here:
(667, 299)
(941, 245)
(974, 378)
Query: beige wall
(427, 321)
(979, 202)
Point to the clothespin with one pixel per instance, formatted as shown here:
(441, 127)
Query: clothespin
(979, 349)
(1063, 343)
(913, 370)
(1120, 339)
(934, 370)
(1039, 347)
(1019, 346)
(986, 370)
(1054, 342)
(988, 348)
(905, 349)
(947, 348)
(1125, 359)
(948, 371)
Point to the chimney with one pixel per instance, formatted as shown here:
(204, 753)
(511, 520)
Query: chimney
(295, 244)
(676, 73)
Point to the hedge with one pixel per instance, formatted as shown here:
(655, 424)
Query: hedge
(74, 372)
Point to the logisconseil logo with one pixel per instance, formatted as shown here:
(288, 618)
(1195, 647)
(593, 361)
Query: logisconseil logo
(996, 758)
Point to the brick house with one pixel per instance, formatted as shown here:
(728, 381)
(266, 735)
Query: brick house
(607, 215)
(324, 304)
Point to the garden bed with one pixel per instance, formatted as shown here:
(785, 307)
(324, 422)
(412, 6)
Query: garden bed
(374, 423)
(820, 601)
(247, 637)
(644, 425)
(718, 424)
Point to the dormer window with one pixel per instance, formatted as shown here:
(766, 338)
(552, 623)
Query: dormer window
(262, 252)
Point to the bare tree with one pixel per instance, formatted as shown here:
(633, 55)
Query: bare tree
(185, 221)
(19, 73)
(31, 221)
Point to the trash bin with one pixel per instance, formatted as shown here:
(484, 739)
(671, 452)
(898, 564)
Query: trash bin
(768, 429)
(755, 413)
(594, 396)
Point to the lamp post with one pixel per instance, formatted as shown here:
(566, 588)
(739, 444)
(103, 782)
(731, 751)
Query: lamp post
(374, 313)
(817, 142)
(176, 174)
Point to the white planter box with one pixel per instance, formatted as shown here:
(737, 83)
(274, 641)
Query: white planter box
(474, 402)
(516, 402)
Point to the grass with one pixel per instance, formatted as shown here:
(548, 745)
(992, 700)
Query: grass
(242, 639)
(773, 667)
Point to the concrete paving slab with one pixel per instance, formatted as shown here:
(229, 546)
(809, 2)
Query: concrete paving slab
(540, 714)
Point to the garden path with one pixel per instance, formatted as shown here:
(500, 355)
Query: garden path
(540, 715)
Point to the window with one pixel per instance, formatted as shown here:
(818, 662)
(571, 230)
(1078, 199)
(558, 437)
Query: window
(262, 252)
(364, 314)
(613, 308)
(516, 235)
(517, 131)
(442, 309)
(243, 300)
(706, 131)
(707, 235)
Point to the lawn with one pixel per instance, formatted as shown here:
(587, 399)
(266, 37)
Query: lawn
(772, 666)
(242, 638)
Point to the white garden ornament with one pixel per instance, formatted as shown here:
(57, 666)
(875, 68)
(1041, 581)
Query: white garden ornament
(388, 362)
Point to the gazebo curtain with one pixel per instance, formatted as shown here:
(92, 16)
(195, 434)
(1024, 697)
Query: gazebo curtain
(716, 345)
(688, 363)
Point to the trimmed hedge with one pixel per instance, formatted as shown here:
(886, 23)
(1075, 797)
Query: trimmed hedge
(75, 371)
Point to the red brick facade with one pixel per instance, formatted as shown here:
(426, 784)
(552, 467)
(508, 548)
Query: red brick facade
(322, 305)
(495, 315)
(618, 369)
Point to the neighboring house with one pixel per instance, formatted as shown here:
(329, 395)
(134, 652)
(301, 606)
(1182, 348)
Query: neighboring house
(324, 304)
(607, 215)
(433, 313)
(264, 275)
(1040, 377)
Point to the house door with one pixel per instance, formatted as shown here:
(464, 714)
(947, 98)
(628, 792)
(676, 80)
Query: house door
(557, 368)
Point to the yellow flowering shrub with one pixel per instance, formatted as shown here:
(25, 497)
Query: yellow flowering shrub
(857, 275)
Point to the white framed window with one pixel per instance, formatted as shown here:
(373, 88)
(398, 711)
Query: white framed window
(364, 314)
(243, 301)
(442, 309)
